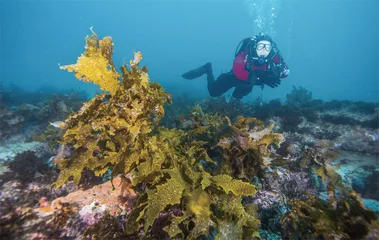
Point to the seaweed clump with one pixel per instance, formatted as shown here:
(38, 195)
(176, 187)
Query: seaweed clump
(240, 147)
(315, 219)
(108, 128)
(337, 213)
(118, 130)
(299, 96)
(317, 161)
(245, 150)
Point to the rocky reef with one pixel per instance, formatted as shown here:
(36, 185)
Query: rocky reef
(133, 163)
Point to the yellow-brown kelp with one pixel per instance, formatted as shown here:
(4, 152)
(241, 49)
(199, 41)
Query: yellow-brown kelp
(96, 64)
(341, 215)
(106, 130)
(183, 182)
(317, 162)
(313, 219)
(243, 144)
(118, 131)
(244, 150)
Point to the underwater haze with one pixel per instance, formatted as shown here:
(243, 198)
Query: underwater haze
(330, 46)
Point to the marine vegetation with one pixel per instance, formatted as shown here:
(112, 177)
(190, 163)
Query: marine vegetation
(315, 219)
(239, 147)
(317, 161)
(118, 130)
(299, 95)
(244, 151)
(337, 213)
(132, 165)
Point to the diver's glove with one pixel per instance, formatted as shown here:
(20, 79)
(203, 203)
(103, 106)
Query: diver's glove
(272, 82)
(253, 80)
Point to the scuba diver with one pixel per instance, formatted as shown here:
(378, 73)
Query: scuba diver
(257, 62)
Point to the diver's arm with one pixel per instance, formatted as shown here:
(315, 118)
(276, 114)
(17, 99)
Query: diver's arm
(253, 79)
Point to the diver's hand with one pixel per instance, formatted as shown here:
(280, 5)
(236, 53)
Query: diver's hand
(253, 80)
(277, 70)
(272, 82)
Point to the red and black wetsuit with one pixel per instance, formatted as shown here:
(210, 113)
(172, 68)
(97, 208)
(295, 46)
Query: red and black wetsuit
(242, 79)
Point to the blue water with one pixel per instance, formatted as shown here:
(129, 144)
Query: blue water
(331, 46)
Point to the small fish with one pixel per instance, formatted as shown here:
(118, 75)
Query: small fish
(58, 124)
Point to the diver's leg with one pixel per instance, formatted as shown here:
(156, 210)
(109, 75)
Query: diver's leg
(223, 83)
(242, 89)
(198, 72)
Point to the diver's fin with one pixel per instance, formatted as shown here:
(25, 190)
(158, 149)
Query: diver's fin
(197, 72)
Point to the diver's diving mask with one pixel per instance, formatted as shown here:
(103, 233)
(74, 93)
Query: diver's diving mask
(266, 46)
